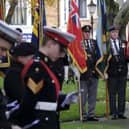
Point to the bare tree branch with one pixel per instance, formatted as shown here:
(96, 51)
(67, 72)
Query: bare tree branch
(13, 4)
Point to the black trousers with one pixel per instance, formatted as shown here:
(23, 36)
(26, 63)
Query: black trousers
(117, 95)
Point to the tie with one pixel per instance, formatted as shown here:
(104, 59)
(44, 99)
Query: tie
(89, 46)
(116, 47)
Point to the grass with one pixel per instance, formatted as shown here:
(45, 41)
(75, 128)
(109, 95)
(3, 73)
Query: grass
(1, 82)
(73, 113)
(76, 125)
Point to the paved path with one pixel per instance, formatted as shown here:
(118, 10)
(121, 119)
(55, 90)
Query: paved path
(119, 122)
(123, 123)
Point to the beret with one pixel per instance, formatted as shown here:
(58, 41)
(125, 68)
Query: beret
(7, 33)
(63, 38)
(23, 49)
(113, 27)
(86, 28)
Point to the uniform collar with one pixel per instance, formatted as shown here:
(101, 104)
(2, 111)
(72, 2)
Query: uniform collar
(44, 58)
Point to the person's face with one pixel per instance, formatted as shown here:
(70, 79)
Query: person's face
(114, 34)
(86, 35)
(25, 59)
(4, 47)
(56, 51)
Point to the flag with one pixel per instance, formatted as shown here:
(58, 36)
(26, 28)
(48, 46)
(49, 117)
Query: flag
(75, 49)
(127, 50)
(101, 35)
(39, 20)
(2, 5)
(102, 26)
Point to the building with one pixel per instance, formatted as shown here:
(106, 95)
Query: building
(57, 12)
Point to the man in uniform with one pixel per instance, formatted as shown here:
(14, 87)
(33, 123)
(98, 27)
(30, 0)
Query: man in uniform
(116, 73)
(13, 86)
(89, 79)
(7, 38)
(42, 99)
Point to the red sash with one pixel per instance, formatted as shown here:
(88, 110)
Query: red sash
(52, 75)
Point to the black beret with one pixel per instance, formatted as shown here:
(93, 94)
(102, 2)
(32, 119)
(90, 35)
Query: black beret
(113, 27)
(86, 28)
(23, 49)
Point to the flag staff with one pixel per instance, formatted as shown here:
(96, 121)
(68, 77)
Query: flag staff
(41, 22)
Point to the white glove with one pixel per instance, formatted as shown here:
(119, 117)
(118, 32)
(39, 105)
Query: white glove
(105, 76)
(76, 72)
(70, 98)
(66, 72)
(15, 127)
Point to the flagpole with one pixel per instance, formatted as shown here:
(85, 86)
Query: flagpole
(80, 100)
(41, 23)
(107, 101)
(75, 50)
(106, 83)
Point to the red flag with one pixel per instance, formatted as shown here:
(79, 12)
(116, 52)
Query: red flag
(2, 9)
(127, 50)
(76, 52)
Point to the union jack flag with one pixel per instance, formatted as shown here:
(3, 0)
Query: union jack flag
(75, 49)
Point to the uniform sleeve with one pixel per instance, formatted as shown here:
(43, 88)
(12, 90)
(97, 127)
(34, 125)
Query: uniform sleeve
(32, 81)
(13, 86)
(60, 101)
(34, 78)
(5, 125)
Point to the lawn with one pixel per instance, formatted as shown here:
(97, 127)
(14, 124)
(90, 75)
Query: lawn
(73, 113)
(70, 118)
(77, 125)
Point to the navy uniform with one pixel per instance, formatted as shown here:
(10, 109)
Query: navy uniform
(89, 79)
(13, 83)
(117, 74)
(3, 120)
(42, 99)
(8, 37)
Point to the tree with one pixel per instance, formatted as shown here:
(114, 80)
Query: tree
(118, 16)
(11, 10)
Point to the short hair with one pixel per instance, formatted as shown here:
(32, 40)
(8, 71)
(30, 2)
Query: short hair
(46, 39)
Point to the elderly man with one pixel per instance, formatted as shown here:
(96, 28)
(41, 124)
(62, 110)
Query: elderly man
(89, 79)
(116, 72)
(7, 38)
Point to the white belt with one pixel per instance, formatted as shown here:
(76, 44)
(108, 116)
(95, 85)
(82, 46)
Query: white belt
(47, 106)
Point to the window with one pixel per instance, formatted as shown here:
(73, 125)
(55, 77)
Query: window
(83, 8)
(65, 9)
(20, 14)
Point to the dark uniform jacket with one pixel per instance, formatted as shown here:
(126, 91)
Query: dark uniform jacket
(117, 62)
(13, 85)
(93, 55)
(41, 99)
(4, 124)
